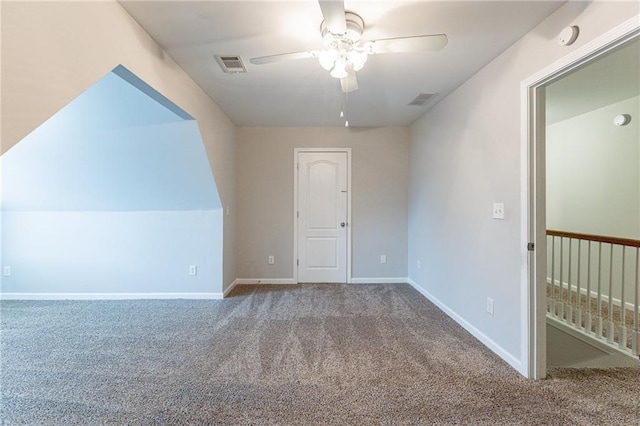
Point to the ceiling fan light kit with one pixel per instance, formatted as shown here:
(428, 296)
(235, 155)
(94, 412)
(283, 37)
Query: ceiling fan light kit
(340, 69)
(344, 54)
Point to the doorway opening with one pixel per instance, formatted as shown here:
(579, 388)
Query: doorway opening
(534, 184)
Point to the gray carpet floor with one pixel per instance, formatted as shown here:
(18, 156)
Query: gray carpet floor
(298, 354)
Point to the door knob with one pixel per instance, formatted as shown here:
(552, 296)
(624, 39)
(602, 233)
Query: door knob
(342, 224)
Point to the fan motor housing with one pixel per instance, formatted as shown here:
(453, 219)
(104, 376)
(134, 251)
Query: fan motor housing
(355, 28)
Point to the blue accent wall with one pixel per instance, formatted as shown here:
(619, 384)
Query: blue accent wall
(113, 194)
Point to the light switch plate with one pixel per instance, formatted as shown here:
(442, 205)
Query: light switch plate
(498, 211)
(489, 306)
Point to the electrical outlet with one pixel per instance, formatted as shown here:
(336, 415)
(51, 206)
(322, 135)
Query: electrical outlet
(489, 306)
(193, 270)
(383, 258)
(6, 271)
(419, 264)
(272, 260)
(498, 211)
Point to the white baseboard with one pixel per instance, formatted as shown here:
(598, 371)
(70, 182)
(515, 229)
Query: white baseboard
(107, 296)
(397, 280)
(377, 280)
(265, 281)
(486, 340)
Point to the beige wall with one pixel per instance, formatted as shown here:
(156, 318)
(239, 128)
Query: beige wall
(464, 156)
(265, 197)
(53, 51)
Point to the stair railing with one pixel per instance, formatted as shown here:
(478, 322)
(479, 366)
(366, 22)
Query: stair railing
(593, 286)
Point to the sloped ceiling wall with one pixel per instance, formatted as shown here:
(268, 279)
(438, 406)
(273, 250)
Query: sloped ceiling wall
(113, 148)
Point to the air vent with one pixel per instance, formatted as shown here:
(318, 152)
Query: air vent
(421, 99)
(231, 63)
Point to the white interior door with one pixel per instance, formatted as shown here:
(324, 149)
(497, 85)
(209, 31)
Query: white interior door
(322, 216)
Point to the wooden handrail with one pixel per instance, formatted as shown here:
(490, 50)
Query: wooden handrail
(597, 238)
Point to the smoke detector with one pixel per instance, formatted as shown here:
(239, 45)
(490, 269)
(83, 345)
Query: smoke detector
(622, 119)
(568, 35)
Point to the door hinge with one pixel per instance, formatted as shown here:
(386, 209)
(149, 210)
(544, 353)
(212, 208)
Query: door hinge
(297, 262)
(531, 246)
(298, 214)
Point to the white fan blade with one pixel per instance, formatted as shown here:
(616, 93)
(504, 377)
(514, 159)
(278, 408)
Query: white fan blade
(349, 83)
(334, 17)
(422, 43)
(280, 58)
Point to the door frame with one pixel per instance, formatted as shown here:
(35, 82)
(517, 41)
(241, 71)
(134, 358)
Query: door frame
(296, 152)
(533, 201)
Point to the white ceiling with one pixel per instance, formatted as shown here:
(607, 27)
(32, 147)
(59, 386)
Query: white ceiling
(301, 93)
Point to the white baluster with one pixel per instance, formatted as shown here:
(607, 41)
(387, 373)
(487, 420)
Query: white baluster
(578, 322)
(569, 318)
(552, 308)
(610, 305)
(636, 317)
(587, 317)
(599, 306)
(622, 340)
(561, 297)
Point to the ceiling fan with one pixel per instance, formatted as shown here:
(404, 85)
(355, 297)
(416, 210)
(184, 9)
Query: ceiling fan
(344, 52)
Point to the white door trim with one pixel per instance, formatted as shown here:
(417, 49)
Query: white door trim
(532, 180)
(297, 151)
